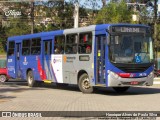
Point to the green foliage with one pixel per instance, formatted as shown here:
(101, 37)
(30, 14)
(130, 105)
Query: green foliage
(18, 27)
(157, 43)
(158, 31)
(39, 28)
(144, 16)
(3, 39)
(2, 45)
(114, 13)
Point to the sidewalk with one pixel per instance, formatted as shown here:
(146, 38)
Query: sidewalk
(2, 56)
(156, 81)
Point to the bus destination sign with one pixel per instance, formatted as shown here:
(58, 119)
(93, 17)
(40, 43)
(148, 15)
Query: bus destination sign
(129, 29)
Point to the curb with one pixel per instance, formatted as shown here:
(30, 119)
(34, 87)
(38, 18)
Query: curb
(156, 81)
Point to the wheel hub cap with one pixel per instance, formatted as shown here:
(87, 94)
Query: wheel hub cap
(86, 84)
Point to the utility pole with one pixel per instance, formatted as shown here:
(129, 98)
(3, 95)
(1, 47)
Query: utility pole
(32, 16)
(104, 3)
(155, 32)
(76, 15)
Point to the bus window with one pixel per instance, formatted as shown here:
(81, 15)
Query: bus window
(85, 43)
(59, 44)
(71, 44)
(11, 48)
(36, 46)
(26, 47)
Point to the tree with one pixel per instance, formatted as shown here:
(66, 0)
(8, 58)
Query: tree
(2, 39)
(18, 27)
(114, 13)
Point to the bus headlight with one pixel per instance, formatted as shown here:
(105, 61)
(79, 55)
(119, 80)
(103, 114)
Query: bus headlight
(151, 74)
(114, 75)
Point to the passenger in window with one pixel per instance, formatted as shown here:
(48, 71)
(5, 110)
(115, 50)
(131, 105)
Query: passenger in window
(61, 50)
(128, 51)
(57, 51)
(74, 49)
(38, 52)
(68, 50)
(11, 53)
(26, 52)
(88, 49)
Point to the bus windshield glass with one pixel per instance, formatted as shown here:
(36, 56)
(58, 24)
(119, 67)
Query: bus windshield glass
(131, 48)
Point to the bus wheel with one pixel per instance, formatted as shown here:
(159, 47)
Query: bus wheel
(84, 84)
(120, 89)
(3, 78)
(30, 79)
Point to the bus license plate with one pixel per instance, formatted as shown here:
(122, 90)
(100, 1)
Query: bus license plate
(134, 83)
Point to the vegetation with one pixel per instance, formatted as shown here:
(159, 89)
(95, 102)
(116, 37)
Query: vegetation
(61, 15)
(114, 13)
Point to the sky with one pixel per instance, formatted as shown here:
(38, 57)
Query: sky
(100, 3)
(107, 1)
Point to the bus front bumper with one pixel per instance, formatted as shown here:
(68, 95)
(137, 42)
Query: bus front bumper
(114, 80)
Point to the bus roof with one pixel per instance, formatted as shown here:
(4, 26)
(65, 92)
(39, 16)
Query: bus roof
(105, 26)
(36, 35)
(72, 30)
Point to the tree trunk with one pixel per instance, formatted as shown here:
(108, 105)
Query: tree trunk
(104, 2)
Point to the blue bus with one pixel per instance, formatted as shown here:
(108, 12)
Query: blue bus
(105, 55)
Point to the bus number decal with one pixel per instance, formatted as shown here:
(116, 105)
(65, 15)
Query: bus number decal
(25, 61)
(9, 60)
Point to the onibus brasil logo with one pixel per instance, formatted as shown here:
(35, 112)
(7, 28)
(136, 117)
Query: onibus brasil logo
(13, 13)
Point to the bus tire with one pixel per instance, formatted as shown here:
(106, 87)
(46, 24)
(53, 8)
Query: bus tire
(3, 78)
(84, 84)
(30, 79)
(120, 89)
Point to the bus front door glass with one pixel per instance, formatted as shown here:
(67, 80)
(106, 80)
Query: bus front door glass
(18, 51)
(47, 46)
(100, 59)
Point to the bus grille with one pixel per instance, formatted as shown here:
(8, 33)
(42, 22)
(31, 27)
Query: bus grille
(132, 68)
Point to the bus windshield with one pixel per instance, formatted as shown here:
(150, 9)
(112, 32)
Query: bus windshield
(131, 48)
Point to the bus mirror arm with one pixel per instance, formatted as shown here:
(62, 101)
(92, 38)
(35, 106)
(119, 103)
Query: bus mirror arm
(108, 32)
(108, 39)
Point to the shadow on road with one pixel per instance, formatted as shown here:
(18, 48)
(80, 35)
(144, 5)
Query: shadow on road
(131, 91)
(21, 86)
(7, 89)
(6, 97)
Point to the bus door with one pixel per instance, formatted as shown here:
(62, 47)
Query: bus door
(100, 59)
(46, 58)
(18, 70)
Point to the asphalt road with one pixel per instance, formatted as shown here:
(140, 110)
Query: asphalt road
(17, 96)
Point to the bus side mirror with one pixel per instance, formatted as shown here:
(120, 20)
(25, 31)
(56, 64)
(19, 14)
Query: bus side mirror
(108, 41)
(5, 48)
(116, 40)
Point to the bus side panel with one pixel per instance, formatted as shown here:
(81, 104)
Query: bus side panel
(56, 68)
(32, 63)
(11, 66)
(47, 66)
(72, 65)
